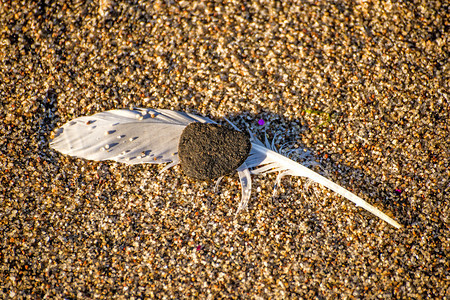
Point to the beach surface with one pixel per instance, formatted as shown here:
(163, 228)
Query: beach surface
(362, 87)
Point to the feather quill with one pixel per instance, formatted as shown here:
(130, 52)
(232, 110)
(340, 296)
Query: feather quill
(263, 160)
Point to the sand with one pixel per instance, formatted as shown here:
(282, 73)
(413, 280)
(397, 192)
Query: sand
(363, 87)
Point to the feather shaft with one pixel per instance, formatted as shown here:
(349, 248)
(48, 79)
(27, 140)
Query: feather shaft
(268, 156)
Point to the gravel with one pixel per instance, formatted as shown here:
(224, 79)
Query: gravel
(362, 86)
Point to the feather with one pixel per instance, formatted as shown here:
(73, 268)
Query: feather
(263, 160)
(152, 136)
(126, 136)
(246, 186)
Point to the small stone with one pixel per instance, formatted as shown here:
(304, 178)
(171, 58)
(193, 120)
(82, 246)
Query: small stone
(209, 151)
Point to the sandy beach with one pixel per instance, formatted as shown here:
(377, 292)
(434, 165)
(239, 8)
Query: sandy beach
(362, 87)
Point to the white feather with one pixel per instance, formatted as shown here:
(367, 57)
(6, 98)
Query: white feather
(152, 136)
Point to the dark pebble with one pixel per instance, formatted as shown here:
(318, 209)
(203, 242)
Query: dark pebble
(209, 151)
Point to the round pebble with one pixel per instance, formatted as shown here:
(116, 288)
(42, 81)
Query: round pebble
(209, 151)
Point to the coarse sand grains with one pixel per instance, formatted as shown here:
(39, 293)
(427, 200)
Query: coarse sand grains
(362, 86)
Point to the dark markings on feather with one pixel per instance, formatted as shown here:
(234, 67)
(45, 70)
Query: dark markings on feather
(209, 151)
(109, 146)
(58, 132)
